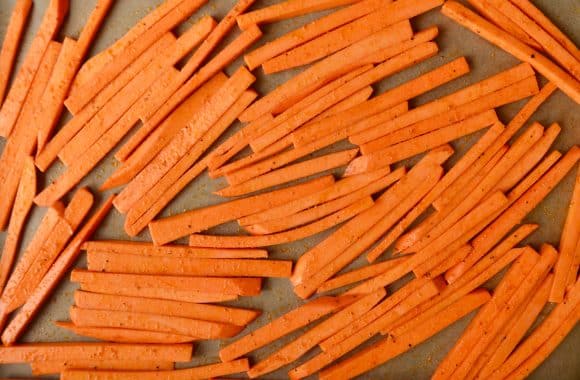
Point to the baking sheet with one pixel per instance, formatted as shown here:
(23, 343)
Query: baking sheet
(277, 296)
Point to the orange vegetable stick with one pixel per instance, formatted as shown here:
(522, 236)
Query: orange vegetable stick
(34, 352)
(506, 289)
(426, 111)
(548, 43)
(167, 131)
(389, 348)
(66, 67)
(395, 153)
(54, 367)
(390, 66)
(509, 308)
(157, 293)
(569, 241)
(204, 218)
(530, 159)
(11, 43)
(559, 317)
(49, 153)
(173, 94)
(311, 30)
(186, 169)
(216, 313)
(52, 277)
(177, 251)
(462, 203)
(287, 9)
(513, 46)
(317, 75)
(31, 253)
(308, 280)
(348, 34)
(281, 326)
(22, 206)
(309, 213)
(493, 14)
(290, 173)
(352, 101)
(534, 361)
(523, 89)
(152, 322)
(209, 285)
(166, 19)
(14, 101)
(223, 99)
(74, 214)
(343, 187)
(535, 14)
(118, 263)
(299, 233)
(406, 91)
(122, 110)
(125, 335)
(366, 332)
(23, 139)
(512, 333)
(359, 274)
(514, 125)
(448, 179)
(437, 246)
(311, 338)
(195, 373)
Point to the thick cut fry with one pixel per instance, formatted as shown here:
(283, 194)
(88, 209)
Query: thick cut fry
(22, 206)
(16, 96)
(126, 335)
(534, 13)
(195, 373)
(157, 293)
(346, 35)
(404, 92)
(169, 15)
(117, 263)
(283, 237)
(202, 219)
(281, 326)
(49, 153)
(152, 322)
(290, 173)
(50, 280)
(359, 274)
(448, 179)
(321, 210)
(176, 251)
(54, 367)
(376, 159)
(287, 9)
(11, 43)
(317, 75)
(426, 111)
(310, 339)
(569, 241)
(550, 70)
(310, 31)
(548, 43)
(234, 316)
(554, 321)
(208, 285)
(389, 348)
